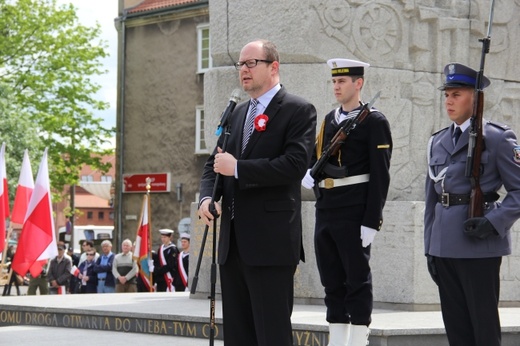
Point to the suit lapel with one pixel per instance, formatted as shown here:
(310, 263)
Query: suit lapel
(241, 115)
(463, 141)
(271, 111)
(446, 140)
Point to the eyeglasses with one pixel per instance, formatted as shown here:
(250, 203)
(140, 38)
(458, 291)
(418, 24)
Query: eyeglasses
(250, 63)
(90, 254)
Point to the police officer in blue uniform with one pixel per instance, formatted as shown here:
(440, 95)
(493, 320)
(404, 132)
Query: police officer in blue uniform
(349, 209)
(464, 255)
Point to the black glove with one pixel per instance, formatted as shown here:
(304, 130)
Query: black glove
(432, 269)
(479, 227)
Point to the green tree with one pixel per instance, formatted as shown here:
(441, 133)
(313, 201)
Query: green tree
(18, 133)
(47, 60)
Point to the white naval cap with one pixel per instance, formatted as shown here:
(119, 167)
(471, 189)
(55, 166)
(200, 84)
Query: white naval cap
(185, 236)
(347, 67)
(166, 231)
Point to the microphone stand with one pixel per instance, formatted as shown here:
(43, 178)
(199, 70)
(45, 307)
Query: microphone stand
(213, 276)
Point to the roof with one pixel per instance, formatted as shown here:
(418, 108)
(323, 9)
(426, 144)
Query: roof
(100, 189)
(150, 5)
(90, 201)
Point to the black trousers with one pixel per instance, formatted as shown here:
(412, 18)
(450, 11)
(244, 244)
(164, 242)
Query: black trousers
(7, 287)
(469, 291)
(257, 302)
(343, 264)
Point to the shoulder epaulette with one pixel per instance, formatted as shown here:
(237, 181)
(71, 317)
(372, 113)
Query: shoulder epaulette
(441, 130)
(503, 127)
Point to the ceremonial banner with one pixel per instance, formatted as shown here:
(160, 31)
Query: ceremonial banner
(142, 252)
(37, 241)
(23, 191)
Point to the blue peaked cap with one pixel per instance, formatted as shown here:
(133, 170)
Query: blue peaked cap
(460, 76)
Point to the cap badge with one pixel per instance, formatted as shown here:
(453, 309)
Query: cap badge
(451, 69)
(334, 64)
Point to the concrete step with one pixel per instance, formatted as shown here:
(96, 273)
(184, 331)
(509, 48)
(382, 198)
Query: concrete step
(176, 315)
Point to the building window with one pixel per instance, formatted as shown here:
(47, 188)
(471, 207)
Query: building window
(203, 48)
(90, 215)
(200, 142)
(111, 215)
(101, 215)
(106, 178)
(87, 178)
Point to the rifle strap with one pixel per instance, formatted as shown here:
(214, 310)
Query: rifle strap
(319, 140)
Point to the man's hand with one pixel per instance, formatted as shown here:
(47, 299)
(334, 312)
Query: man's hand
(479, 227)
(367, 235)
(308, 180)
(204, 212)
(224, 163)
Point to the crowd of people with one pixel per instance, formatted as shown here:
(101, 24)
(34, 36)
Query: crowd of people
(106, 272)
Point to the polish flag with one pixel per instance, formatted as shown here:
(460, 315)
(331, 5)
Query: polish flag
(37, 241)
(143, 245)
(4, 198)
(23, 191)
(74, 271)
(62, 290)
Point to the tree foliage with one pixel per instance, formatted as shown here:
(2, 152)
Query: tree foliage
(47, 60)
(18, 133)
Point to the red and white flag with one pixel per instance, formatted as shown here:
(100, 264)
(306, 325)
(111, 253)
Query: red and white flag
(62, 290)
(37, 241)
(74, 271)
(143, 245)
(4, 198)
(23, 191)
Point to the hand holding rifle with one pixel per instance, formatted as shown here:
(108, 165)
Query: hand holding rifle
(315, 174)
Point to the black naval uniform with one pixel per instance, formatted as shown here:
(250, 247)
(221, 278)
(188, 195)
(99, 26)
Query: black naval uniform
(343, 262)
(171, 254)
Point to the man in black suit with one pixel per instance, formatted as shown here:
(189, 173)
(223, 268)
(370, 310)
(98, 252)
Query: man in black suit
(260, 240)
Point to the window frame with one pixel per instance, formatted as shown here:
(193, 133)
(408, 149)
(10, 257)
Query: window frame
(201, 29)
(199, 131)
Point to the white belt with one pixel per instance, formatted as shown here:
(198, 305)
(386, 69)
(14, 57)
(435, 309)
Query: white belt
(330, 183)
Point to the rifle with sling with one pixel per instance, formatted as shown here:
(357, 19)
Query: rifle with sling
(339, 138)
(476, 138)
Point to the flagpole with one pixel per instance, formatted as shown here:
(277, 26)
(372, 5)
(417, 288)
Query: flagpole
(148, 188)
(4, 254)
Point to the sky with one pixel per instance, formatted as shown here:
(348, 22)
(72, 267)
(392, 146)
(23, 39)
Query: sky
(103, 12)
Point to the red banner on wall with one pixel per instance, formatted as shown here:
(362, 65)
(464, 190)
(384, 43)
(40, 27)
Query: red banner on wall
(159, 182)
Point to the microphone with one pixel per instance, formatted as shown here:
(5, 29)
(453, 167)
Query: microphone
(233, 100)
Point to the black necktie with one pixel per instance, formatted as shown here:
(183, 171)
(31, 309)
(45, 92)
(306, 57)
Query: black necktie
(456, 135)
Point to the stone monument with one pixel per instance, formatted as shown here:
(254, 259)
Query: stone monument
(407, 44)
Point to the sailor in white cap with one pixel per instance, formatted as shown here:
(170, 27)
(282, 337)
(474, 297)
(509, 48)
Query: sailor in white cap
(165, 263)
(349, 211)
(184, 259)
